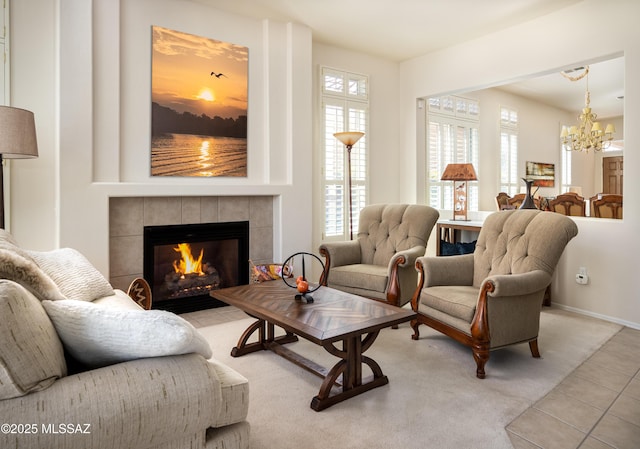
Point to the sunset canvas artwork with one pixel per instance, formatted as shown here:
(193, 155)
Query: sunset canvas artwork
(199, 106)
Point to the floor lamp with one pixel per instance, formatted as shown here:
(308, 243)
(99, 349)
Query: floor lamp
(17, 141)
(349, 139)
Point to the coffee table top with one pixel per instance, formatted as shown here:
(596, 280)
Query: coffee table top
(332, 316)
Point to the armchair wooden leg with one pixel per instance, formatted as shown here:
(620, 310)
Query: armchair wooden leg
(533, 345)
(481, 356)
(416, 332)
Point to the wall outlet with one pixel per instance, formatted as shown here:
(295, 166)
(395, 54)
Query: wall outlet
(582, 278)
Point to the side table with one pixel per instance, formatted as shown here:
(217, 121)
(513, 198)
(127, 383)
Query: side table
(451, 230)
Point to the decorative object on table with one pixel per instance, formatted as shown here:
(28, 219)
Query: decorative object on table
(17, 141)
(541, 173)
(302, 283)
(140, 291)
(199, 91)
(269, 271)
(588, 135)
(459, 174)
(528, 202)
(349, 139)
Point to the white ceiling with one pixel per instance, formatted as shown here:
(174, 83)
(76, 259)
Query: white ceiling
(402, 29)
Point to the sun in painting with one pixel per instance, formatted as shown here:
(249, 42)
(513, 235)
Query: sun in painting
(206, 94)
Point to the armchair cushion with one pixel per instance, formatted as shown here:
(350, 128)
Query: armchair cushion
(362, 276)
(98, 335)
(457, 301)
(31, 355)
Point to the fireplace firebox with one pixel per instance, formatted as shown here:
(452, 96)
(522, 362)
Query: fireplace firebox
(183, 263)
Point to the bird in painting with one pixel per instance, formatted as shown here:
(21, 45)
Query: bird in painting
(218, 75)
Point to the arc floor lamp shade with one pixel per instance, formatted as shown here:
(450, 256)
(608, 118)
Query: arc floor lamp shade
(349, 139)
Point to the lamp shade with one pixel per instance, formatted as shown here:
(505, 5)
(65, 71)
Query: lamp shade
(17, 133)
(459, 172)
(349, 138)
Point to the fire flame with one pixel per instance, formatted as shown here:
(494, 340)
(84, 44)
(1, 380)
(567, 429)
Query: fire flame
(187, 264)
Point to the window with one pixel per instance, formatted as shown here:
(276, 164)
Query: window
(509, 151)
(345, 107)
(452, 137)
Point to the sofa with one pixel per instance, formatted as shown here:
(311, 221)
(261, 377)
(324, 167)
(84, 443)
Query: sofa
(83, 366)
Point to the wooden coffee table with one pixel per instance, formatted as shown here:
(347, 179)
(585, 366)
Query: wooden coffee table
(332, 317)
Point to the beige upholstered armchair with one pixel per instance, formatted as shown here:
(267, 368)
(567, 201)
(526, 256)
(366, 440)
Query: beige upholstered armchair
(379, 264)
(492, 298)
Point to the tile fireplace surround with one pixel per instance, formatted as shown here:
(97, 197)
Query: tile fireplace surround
(128, 217)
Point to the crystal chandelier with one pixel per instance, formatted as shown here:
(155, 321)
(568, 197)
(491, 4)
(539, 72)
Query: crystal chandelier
(588, 135)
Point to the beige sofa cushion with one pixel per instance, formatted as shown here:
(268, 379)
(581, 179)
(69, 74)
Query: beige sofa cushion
(73, 274)
(235, 394)
(31, 355)
(17, 265)
(99, 335)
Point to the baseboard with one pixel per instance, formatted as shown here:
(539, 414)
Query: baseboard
(630, 324)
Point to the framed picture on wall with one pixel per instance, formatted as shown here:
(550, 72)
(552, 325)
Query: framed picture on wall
(198, 106)
(542, 174)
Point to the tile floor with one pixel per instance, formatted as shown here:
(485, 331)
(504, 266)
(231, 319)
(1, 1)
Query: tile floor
(597, 406)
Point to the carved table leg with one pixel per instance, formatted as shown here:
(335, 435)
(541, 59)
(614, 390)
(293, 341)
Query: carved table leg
(350, 367)
(266, 336)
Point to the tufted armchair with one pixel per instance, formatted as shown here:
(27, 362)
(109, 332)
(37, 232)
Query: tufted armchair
(379, 263)
(492, 298)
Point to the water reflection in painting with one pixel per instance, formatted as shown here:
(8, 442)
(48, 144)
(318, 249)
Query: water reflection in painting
(193, 155)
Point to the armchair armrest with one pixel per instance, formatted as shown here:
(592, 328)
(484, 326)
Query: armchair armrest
(518, 284)
(449, 270)
(341, 253)
(402, 277)
(406, 258)
(337, 254)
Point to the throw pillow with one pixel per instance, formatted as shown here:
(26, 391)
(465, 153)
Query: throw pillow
(74, 275)
(31, 354)
(19, 267)
(99, 335)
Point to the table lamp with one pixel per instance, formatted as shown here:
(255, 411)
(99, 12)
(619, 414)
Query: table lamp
(459, 174)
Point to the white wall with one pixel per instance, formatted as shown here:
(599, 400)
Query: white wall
(604, 247)
(85, 72)
(34, 77)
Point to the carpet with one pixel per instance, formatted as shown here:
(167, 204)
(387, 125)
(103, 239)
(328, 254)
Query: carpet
(433, 399)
